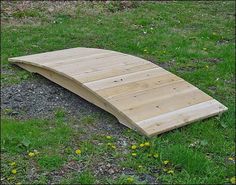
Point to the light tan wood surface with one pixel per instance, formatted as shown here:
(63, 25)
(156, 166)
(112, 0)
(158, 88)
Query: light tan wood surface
(140, 94)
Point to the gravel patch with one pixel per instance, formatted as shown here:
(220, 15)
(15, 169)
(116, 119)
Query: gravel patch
(40, 98)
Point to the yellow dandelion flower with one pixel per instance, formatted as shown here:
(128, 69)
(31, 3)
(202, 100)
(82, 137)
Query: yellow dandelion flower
(170, 172)
(155, 155)
(108, 137)
(165, 162)
(13, 163)
(130, 179)
(134, 154)
(113, 146)
(133, 147)
(13, 171)
(31, 154)
(149, 155)
(141, 145)
(147, 144)
(232, 180)
(231, 158)
(78, 151)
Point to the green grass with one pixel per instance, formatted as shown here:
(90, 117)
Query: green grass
(88, 119)
(51, 162)
(124, 179)
(26, 13)
(195, 39)
(18, 136)
(81, 178)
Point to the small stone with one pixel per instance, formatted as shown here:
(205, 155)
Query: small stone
(15, 106)
(111, 171)
(14, 113)
(6, 102)
(18, 99)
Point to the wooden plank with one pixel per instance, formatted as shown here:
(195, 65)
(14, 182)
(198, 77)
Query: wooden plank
(150, 95)
(137, 86)
(158, 107)
(85, 65)
(172, 120)
(111, 71)
(59, 55)
(82, 60)
(124, 79)
(140, 94)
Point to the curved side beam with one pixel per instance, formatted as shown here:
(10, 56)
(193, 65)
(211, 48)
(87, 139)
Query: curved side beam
(78, 88)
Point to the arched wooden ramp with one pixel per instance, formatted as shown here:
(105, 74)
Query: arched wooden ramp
(142, 95)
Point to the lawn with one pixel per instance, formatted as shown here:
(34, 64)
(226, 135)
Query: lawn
(194, 40)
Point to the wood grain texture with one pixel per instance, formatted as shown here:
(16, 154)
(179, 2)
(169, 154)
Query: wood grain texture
(140, 94)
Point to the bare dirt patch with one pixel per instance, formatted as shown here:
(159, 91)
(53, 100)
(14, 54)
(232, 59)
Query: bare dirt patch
(36, 12)
(207, 60)
(184, 69)
(70, 167)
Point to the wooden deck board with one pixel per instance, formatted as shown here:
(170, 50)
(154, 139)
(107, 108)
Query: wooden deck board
(142, 95)
(137, 86)
(101, 73)
(164, 105)
(151, 94)
(124, 79)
